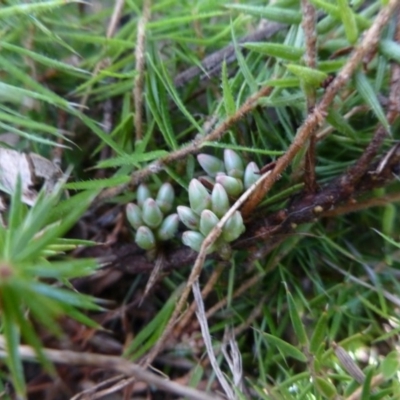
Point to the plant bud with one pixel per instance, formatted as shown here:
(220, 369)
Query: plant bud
(165, 197)
(142, 194)
(134, 215)
(251, 174)
(232, 186)
(210, 164)
(233, 164)
(233, 228)
(199, 198)
(144, 238)
(208, 220)
(193, 239)
(219, 200)
(151, 213)
(168, 228)
(188, 217)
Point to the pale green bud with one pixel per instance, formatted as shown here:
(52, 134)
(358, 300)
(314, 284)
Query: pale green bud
(210, 164)
(168, 228)
(193, 239)
(233, 228)
(219, 200)
(144, 238)
(208, 220)
(142, 194)
(188, 217)
(199, 198)
(165, 197)
(134, 215)
(151, 213)
(232, 186)
(233, 164)
(251, 174)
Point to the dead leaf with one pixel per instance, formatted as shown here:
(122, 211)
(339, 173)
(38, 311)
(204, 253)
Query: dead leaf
(34, 170)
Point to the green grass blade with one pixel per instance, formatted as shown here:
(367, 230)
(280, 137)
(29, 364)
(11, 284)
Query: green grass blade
(286, 349)
(133, 159)
(229, 101)
(349, 21)
(283, 51)
(272, 13)
(98, 184)
(29, 8)
(367, 92)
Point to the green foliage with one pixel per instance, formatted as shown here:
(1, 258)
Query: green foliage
(335, 280)
(25, 239)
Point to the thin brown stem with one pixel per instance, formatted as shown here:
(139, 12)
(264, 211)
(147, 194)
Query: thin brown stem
(362, 205)
(140, 65)
(198, 265)
(369, 41)
(361, 166)
(115, 363)
(112, 27)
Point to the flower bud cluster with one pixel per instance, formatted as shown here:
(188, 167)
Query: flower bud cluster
(229, 179)
(149, 216)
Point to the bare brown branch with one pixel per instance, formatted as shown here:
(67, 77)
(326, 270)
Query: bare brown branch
(369, 41)
(113, 363)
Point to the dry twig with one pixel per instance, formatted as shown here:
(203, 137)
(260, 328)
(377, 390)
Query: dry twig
(113, 363)
(140, 64)
(198, 265)
(369, 41)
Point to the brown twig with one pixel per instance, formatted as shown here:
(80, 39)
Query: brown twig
(94, 390)
(370, 40)
(140, 64)
(198, 265)
(250, 282)
(361, 166)
(310, 208)
(272, 229)
(114, 363)
(355, 206)
(112, 26)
